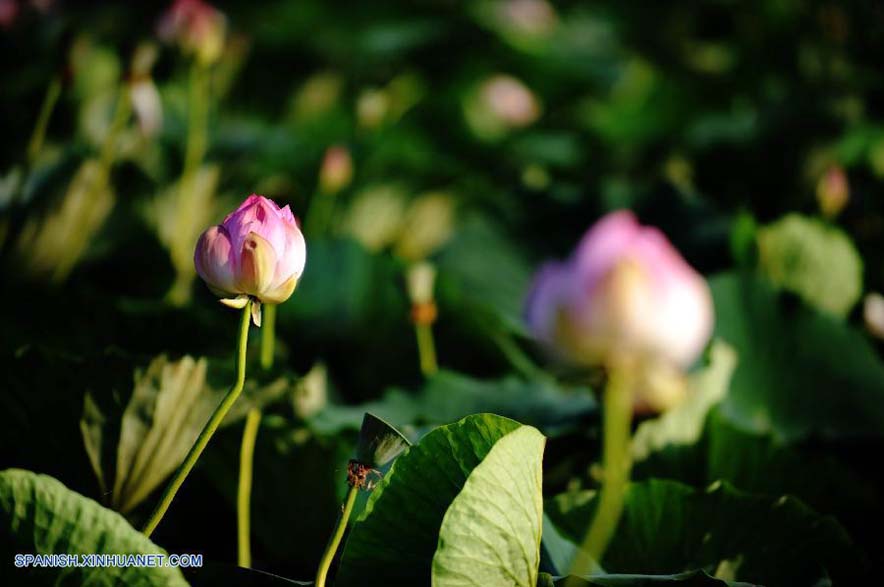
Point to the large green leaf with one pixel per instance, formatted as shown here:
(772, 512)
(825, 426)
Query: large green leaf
(491, 533)
(397, 533)
(698, 444)
(669, 527)
(800, 373)
(40, 515)
(759, 463)
(815, 260)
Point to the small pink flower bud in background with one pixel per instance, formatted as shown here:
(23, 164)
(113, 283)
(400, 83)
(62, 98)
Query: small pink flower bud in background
(257, 252)
(832, 191)
(336, 171)
(530, 17)
(510, 101)
(625, 293)
(197, 27)
(8, 13)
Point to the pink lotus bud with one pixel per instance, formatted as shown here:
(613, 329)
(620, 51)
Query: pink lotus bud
(336, 171)
(257, 252)
(625, 292)
(530, 17)
(510, 101)
(832, 191)
(8, 13)
(198, 27)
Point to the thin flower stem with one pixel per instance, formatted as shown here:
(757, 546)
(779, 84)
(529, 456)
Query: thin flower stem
(247, 451)
(426, 349)
(333, 544)
(211, 426)
(268, 336)
(37, 137)
(244, 494)
(616, 462)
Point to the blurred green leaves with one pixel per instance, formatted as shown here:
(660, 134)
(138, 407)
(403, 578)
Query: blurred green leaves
(800, 373)
(670, 527)
(449, 396)
(686, 113)
(814, 260)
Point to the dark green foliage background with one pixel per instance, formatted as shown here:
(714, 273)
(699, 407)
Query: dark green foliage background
(747, 95)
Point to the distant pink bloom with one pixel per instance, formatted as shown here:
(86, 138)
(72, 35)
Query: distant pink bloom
(510, 100)
(8, 13)
(257, 252)
(833, 191)
(197, 26)
(624, 292)
(534, 17)
(336, 171)
(10, 10)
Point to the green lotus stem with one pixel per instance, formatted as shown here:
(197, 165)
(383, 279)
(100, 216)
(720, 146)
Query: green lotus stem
(268, 336)
(616, 463)
(247, 450)
(211, 426)
(244, 493)
(37, 137)
(426, 349)
(335, 541)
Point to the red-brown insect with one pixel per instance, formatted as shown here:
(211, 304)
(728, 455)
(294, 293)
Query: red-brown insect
(362, 476)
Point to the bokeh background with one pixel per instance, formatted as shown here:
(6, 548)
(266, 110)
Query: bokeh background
(482, 136)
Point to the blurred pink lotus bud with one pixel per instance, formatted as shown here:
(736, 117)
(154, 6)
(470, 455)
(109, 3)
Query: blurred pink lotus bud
(257, 252)
(532, 17)
(510, 100)
(8, 13)
(625, 292)
(197, 27)
(336, 171)
(832, 191)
